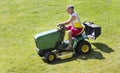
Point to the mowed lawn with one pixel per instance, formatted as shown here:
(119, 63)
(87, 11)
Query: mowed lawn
(20, 20)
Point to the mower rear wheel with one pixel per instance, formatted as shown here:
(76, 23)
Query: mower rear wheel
(49, 57)
(83, 47)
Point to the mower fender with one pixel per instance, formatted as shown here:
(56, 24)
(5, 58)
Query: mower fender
(78, 39)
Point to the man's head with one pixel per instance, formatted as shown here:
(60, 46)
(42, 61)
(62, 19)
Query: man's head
(70, 9)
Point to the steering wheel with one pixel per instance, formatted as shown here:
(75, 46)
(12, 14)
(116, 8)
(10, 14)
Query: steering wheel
(62, 27)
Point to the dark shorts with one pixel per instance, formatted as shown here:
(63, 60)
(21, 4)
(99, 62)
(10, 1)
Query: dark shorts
(75, 31)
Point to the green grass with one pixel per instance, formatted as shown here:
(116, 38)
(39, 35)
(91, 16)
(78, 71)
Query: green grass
(20, 20)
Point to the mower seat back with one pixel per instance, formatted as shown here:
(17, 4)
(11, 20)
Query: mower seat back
(81, 31)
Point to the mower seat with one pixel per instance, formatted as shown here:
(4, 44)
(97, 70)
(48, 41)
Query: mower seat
(79, 34)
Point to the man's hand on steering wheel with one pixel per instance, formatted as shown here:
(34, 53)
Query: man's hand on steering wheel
(62, 26)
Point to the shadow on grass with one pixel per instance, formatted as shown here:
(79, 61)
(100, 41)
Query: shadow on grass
(92, 55)
(103, 47)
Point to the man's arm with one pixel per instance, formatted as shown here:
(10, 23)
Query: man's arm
(69, 20)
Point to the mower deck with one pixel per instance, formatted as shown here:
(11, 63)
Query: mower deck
(64, 55)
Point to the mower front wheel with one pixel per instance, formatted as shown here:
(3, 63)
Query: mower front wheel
(49, 57)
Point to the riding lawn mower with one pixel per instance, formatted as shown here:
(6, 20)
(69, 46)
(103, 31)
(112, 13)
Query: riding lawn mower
(50, 45)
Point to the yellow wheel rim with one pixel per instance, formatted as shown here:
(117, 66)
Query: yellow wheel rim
(85, 48)
(51, 57)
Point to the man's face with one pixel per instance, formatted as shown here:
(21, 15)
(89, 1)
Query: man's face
(69, 10)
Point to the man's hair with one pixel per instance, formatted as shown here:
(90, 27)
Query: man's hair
(70, 6)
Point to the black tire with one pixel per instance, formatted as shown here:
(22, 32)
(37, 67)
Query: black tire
(42, 53)
(49, 57)
(83, 47)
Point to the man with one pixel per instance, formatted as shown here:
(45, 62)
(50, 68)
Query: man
(75, 28)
